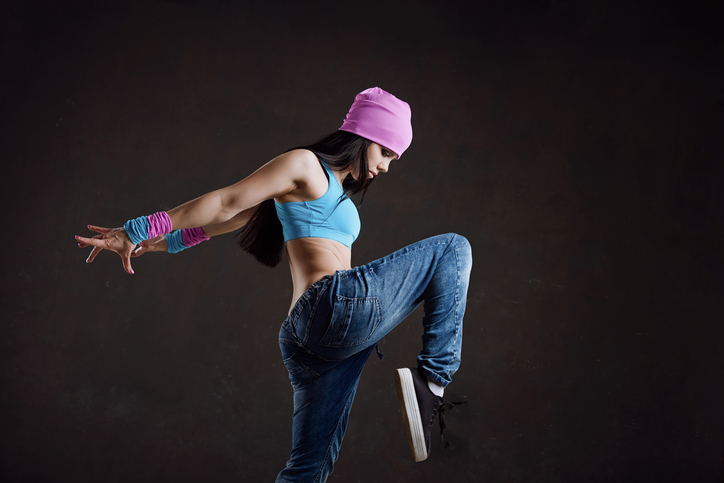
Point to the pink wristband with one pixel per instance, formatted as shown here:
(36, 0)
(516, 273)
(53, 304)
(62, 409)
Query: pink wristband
(193, 236)
(159, 224)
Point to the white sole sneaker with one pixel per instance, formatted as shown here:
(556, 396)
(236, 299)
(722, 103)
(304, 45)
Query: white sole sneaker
(411, 414)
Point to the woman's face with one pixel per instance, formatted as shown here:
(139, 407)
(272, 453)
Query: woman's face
(378, 158)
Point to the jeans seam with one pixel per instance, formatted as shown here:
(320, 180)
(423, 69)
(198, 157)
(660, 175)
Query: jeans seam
(456, 303)
(458, 322)
(457, 307)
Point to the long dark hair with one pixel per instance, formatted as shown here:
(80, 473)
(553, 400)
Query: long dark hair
(262, 236)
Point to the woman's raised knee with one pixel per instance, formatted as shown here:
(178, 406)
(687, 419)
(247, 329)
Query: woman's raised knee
(463, 250)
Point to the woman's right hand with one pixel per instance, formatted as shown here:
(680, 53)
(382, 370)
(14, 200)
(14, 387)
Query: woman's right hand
(158, 244)
(113, 239)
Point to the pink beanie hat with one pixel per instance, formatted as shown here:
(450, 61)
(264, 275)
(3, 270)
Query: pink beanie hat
(382, 118)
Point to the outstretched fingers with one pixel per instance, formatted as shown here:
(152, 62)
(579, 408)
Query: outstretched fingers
(113, 239)
(95, 228)
(93, 254)
(96, 241)
(99, 229)
(126, 257)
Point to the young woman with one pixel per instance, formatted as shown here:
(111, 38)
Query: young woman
(299, 201)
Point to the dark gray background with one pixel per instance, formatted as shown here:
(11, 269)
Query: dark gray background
(577, 144)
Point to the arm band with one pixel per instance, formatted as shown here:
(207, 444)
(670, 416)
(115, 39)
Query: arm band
(145, 227)
(174, 242)
(186, 238)
(193, 236)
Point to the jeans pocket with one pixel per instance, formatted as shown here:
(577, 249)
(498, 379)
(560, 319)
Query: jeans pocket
(354, 321)
(299, 374)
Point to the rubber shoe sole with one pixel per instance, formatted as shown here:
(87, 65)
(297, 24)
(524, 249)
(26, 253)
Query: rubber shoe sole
(411, 414)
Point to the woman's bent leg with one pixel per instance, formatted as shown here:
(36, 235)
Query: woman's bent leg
(367, 302)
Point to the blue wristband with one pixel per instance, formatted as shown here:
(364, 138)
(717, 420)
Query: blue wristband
(137, 229)
(175, 242)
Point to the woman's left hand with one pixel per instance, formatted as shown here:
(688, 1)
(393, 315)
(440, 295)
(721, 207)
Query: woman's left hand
(114, 239)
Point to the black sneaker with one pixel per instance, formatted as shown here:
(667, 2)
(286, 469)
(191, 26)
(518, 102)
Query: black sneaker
(419, 407)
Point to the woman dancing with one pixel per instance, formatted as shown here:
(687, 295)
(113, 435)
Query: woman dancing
(299, 200)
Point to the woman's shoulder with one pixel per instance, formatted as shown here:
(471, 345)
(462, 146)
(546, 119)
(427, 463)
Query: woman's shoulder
(301, 164)
(305, 169)
(296, 164)
(300, 157)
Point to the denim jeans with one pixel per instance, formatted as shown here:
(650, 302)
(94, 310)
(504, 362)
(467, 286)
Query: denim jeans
(336, 324)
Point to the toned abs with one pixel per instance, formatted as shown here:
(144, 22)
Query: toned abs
(311, 259)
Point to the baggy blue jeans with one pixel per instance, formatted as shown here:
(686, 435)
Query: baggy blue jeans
(335, 325)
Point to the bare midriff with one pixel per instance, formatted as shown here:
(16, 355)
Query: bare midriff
(311, 259)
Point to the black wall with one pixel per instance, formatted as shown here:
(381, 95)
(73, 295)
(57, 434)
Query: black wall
(577, 145)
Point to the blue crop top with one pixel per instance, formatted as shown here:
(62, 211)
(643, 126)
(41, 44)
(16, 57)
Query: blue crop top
(325, 217)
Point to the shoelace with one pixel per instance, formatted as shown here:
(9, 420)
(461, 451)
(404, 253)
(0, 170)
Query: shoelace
(440, 410)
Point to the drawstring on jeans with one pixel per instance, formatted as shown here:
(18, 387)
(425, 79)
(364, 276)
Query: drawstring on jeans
(379, 354)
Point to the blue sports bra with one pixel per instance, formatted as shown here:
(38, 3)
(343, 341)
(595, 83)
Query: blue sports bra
(326, 217)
